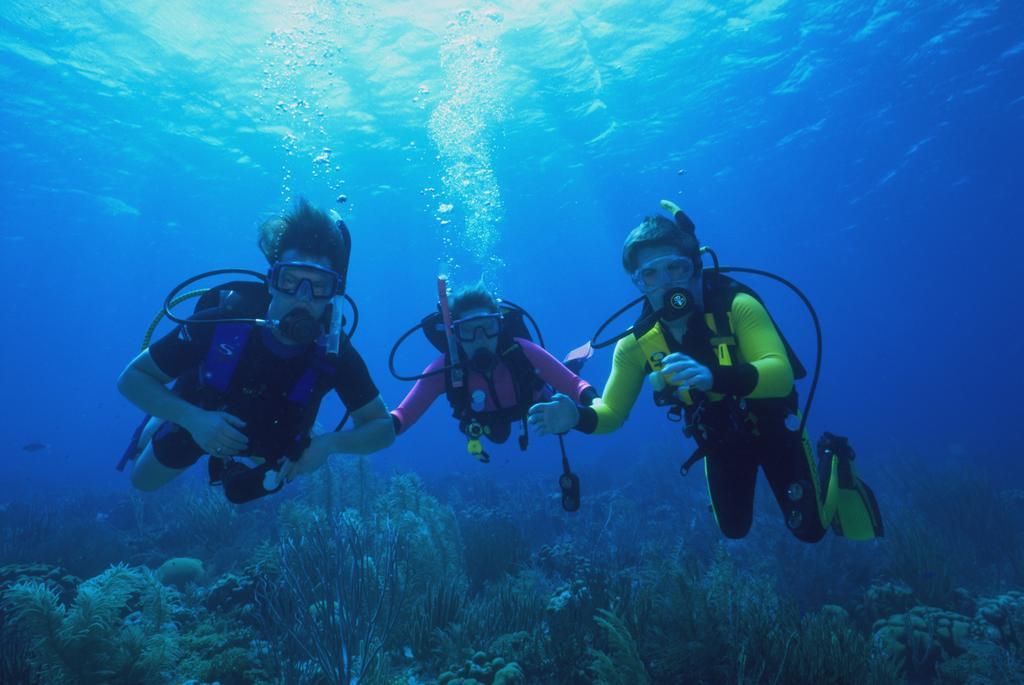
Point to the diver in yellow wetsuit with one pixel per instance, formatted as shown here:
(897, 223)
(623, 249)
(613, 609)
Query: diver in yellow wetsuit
(714, 356)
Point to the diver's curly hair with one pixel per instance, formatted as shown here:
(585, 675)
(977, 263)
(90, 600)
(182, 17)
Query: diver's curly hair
(308, 230)
(470, 297)
(656, 231)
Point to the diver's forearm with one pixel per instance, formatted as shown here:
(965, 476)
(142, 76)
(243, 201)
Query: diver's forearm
(154, 398)
(366, 438)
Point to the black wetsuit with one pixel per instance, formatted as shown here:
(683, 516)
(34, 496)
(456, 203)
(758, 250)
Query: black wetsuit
(245, 371)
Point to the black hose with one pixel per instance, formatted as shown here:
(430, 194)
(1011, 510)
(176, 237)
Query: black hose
(814, 318)
(355, 316)
(611, 341)
(169, 301)
(714, 255)
(536, 328)
(394, 351)
(209, 274)
(404, 336)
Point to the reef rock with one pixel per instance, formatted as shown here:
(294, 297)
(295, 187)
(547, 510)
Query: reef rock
(984, 663)
(481, 669)
(1000, 619)
(918, 639)
(230, 592)
(180, 571)
(510, 675)
(885, 599)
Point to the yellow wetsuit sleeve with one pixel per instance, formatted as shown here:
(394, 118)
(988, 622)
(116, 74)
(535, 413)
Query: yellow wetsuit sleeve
(625, 382)
(760, 346)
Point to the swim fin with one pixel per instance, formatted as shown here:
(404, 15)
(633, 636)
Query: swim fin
(140, 439)
(850, 505)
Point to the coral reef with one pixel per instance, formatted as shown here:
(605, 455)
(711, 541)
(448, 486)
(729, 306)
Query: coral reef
(884, 599)
(924, 637)
(482, 669)
(216, 648)
(350, 575)
(118, 629)
(1001, 619)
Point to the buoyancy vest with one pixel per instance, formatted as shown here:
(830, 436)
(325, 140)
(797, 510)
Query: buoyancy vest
(496, 425)
(714, 419)
(217, 379)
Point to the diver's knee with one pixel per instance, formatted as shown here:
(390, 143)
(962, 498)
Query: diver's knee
(147, 433)
(735, 529)
(147, 474)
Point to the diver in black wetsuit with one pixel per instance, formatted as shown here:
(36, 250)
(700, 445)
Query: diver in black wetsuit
(248, 390)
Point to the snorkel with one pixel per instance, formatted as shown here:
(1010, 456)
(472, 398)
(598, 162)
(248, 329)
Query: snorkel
(337, 321)
(446, 318)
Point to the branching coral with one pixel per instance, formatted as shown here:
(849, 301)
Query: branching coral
(621, 664)
(336, 598)
(117, 630)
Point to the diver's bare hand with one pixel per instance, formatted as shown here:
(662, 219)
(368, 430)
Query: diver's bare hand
(554, 417)
(218, 433)
(682, 370)
(313, 457)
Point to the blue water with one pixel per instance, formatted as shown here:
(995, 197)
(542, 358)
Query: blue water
(868, 152)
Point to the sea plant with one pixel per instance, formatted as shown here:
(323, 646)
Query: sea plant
(330, 609)
(118, 629)
(621, 663)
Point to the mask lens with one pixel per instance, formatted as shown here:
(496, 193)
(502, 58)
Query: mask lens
(663, 271)
(466, 329)
(321, 283)
(322, 288)
(304, 291)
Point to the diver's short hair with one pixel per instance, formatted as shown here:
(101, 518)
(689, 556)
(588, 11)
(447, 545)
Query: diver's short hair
(470, 297)
(657, 231)
(308, 230)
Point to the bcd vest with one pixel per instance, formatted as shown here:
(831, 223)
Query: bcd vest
(713, 419)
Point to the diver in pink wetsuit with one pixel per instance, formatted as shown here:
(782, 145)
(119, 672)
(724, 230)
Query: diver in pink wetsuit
(498, 375)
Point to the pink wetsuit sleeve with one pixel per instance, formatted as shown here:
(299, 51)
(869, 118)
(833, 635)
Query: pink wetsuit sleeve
(420, 397)
(552, 371)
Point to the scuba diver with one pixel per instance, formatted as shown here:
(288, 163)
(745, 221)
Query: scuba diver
(251, 366)
(715, 358)
(491, 371)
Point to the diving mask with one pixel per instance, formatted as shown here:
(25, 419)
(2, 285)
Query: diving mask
(466, 329)
(664, 271)
(305, 280)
